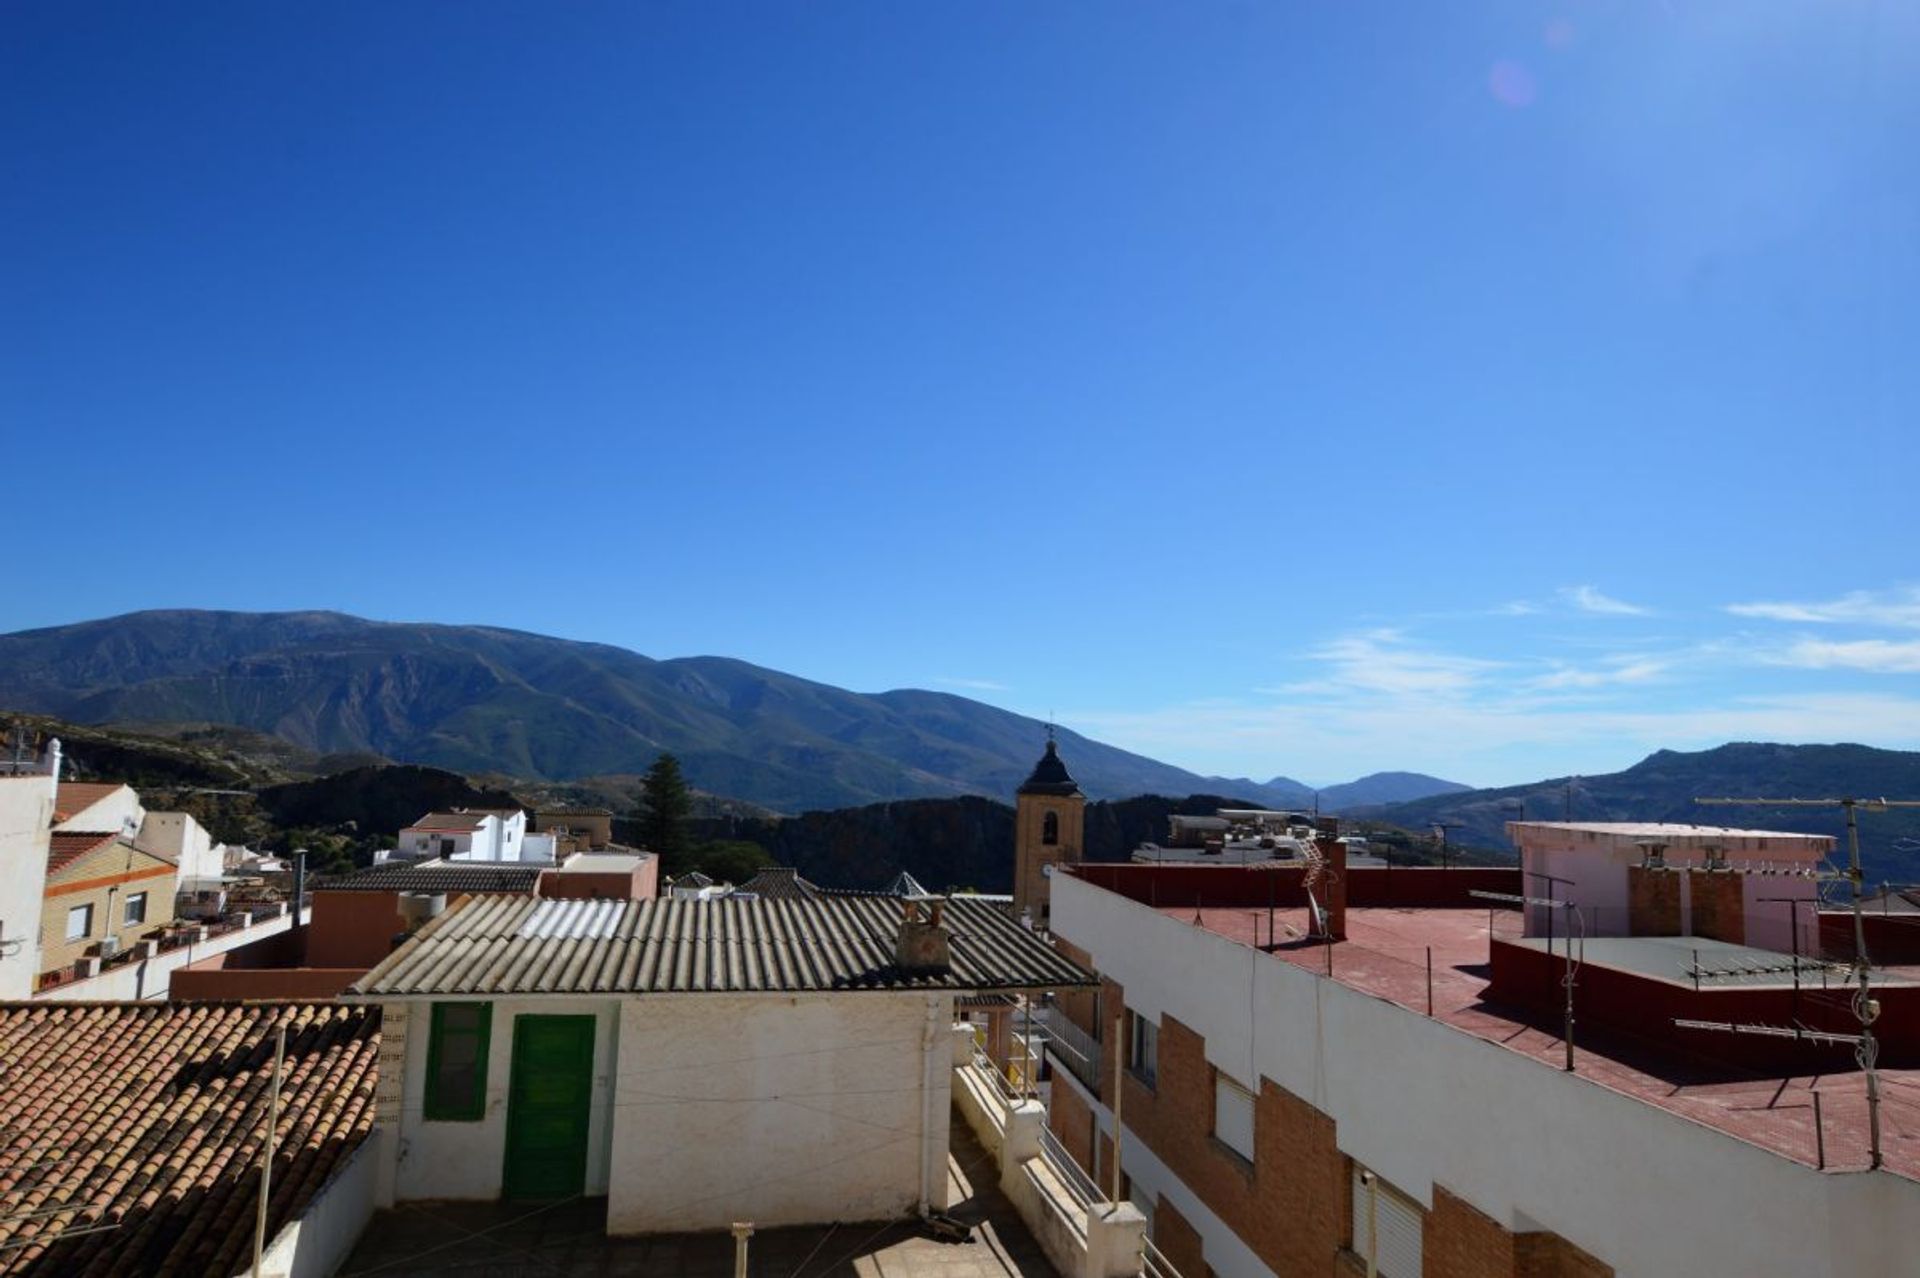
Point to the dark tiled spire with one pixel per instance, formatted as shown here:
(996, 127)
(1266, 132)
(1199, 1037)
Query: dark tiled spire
(1050, 775)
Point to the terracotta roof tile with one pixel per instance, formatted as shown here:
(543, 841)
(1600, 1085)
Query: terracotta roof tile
(75, 797)
(141, 1122)
(450, 821)
(64, 848)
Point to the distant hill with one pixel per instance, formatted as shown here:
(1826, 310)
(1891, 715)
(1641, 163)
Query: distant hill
(1663, 786)
(964, 842)
(480, 700)
(1385, 787)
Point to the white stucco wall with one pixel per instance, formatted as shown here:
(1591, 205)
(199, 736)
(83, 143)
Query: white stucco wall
(779, 1109)
(467, 1159)
(1643, 1190)
(181, 839)
(26, 809)
(317, 1241)
(119, 810)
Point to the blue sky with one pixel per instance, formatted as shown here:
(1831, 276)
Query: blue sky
(1497, 390)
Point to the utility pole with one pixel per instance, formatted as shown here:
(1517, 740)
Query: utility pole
(1866, 1009)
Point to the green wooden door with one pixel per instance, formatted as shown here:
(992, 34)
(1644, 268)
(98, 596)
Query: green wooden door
(548, 1099)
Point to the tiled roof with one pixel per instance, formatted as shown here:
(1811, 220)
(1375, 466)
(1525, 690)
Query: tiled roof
(142, 1121)
(450, 821)
(453, 876)
(505, 945)
(64, 848)
(779, 883)
(75, 797)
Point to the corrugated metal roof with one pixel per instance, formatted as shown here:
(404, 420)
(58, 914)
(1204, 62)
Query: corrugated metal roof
(511, 945)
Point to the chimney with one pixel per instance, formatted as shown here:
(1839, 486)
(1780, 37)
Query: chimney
(1332, 888)
(299, 884)
(923, 944)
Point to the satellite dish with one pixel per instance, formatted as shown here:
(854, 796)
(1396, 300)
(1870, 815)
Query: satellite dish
(1046, 871)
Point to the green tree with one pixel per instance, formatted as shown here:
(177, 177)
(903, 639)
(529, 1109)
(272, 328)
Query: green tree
(731, 860)
(664, 807)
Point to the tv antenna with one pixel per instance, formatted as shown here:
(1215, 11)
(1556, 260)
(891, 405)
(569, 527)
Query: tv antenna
(1866, 1009)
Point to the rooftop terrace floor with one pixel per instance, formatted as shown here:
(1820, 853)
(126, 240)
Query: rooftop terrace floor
(1385, 954)
(499, 1240)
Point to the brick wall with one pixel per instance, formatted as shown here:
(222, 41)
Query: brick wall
(1545, 1255)
(1178, 1241)
(1718, 910)
(1291, 1205)
(1653, 902)
(1463, 1242)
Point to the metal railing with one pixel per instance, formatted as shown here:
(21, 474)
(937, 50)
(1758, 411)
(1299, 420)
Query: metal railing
(1003, 1086)
(1078, 1050)
(1079, 1185)
(1153, 1262)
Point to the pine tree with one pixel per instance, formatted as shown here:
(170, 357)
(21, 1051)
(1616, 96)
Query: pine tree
(664, 807)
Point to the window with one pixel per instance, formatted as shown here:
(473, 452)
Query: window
(1387, 1226)
(1143, 1051)
(1233, 1115)
(79, 922)
(136, 911)
(457, 1062)
(1050, 828)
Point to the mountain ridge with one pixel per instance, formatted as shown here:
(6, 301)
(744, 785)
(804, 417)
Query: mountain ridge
(490, 699)
(1664, 785)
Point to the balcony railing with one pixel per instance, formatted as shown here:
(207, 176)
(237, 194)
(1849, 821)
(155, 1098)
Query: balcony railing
(1072, 1047)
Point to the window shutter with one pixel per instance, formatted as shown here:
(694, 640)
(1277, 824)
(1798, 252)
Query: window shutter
(1397, 1227)
(1233, 1116)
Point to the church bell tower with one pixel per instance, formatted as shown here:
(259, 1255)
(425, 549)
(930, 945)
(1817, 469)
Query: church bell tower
(1049, 818)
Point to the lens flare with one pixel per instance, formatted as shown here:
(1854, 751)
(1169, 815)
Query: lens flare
(1512, 84)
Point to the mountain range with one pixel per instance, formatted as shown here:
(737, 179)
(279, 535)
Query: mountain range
(1664, 786)
(484, 700)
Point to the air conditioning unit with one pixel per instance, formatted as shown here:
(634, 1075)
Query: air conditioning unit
(109, 946)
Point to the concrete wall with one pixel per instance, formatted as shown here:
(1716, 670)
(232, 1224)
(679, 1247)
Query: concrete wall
(779, 1109)
(26, 809)
(1422, 1103)
(316, 1242)
(466, 1159)
(150, 979)
(1367, 886)
(352, 929)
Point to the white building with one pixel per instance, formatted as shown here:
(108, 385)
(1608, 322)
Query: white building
(696, 1062)
(1336, 1108)
(461, 835)
(26, 821)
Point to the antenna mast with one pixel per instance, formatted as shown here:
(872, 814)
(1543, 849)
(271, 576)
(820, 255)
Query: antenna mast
(1865, 1008)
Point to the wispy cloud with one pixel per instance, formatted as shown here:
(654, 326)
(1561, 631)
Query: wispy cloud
(1612, 672)
(1590, 599)
(1876, 656)
(1897, 607)
(976, 685)
(1515, 608)
(1385, 661)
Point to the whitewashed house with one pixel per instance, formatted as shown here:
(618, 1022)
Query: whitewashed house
(463, 835)
(697, 1062)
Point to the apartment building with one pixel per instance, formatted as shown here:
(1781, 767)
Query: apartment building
(1321, 1072)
